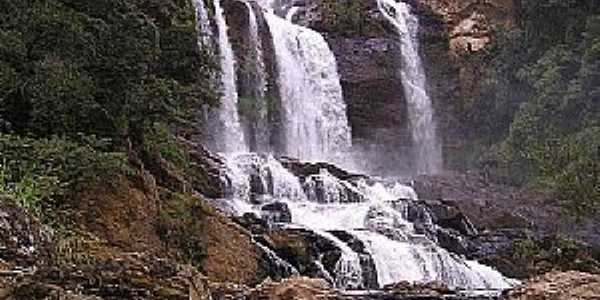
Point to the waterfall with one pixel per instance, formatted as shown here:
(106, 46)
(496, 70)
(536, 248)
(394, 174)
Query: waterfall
(426, 147)
(261, 130)
(227, 123)
(355, 216)
(313, 110)
(378, 217)
(203, 25)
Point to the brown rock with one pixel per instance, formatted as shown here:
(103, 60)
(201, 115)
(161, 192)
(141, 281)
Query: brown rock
(296, 288)
(435, 289)
(559, 286)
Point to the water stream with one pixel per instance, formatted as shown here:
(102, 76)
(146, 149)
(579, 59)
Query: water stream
(225, 121)
(426, 147)
(313, 109)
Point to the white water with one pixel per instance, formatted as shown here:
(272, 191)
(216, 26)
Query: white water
(427, 149)
(261, 126)
(204, 26)
(313, 110)
(227, 123)
(378, 219)
(291, 13)
(316, 128)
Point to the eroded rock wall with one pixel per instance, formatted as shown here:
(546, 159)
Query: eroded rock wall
(453, 34)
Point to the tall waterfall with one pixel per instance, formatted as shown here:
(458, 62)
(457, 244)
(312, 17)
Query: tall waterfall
(427, 149)
(227, 123)
(261, 130)
(313, 110)
(366, 219)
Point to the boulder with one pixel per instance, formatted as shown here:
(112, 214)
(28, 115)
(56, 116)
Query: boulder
(296, 288)
(431, 289)
(277, 212)
(311, 254)
(559, 286)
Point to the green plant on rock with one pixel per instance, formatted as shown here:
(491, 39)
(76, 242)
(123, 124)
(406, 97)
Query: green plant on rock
(181, 224)
(43, 175)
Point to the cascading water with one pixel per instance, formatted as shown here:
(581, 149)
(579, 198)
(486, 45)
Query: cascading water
(261, 130)
(313, 110)
(374, 212)
(427, 150)
(204, 26)
(371, 211)
(227, 122)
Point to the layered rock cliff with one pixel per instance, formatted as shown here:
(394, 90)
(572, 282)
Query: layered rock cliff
(453, 36)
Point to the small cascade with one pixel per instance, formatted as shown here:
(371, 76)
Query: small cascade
(426, 147)
(282, 266)
(313, 110)
(348, 271)
(260, 127)
(226, 122)
(378, 217)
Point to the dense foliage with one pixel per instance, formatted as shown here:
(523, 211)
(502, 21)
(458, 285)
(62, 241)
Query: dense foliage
(86, 86)
(111, 68)
(539, 102)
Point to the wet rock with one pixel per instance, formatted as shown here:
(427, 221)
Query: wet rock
(448, 215)
(369, 270)
(210, 184)
(304, 169)
(253, 223)
(277, 212)
(452, 241)
(311, 254)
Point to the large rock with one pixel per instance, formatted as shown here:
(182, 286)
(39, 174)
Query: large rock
(296, 288)
(306, 251)
(133, 276)
(470, 22)
(502, 223)
(559, 286)
(277, 212)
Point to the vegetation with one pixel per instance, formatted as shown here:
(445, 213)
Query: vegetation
(92, 92)
(348, 19)
(529, 257)
(539, 104)
(86, 85)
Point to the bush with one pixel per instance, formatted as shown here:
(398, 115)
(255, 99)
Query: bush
(43, 175)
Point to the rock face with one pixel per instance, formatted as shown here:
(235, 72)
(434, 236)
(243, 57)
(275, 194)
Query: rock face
(367, 50)
(469, 23)
(125, 277)
(506, 223)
